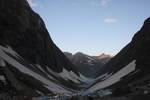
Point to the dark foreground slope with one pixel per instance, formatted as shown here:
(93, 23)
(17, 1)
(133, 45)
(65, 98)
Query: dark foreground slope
(30, 63)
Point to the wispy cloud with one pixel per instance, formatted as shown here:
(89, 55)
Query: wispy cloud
(103, 3)
(32, 3)
(110, 20)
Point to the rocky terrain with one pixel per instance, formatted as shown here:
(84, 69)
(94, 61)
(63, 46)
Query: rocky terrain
(128, 72)
(32, 65)
(89, 66)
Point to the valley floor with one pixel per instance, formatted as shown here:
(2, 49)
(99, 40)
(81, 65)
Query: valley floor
(117, 98)
(133, 97)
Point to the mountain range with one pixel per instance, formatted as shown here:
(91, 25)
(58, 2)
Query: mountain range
(87, 65)
(32, 65)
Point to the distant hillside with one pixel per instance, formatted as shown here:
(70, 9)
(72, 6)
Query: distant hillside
(88, 65)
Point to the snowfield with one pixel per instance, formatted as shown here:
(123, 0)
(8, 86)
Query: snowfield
(55, 88)
(69, 75)
(2, 78)
(2, 62)
(54, 85)
(116, 77)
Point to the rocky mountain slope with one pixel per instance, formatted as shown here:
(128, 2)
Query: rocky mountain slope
(89, 66)
(130, 65)
(30, 63)
(104, 58)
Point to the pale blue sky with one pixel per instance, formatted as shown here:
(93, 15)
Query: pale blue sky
(92, 26)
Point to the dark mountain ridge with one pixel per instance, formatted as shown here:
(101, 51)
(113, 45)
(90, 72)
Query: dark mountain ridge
(138, 49)
(28, 55)
(26, 33)
(130, 65)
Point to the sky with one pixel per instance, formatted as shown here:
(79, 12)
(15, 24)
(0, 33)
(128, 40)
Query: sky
(92, 26)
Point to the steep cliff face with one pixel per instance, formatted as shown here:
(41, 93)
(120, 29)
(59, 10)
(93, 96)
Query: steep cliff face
(29, 60)
(138, 49)
(25, 32)
(129, 65)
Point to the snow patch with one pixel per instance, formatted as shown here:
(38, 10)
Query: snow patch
(90, 81)
(69, 75)
(2, 78)
(38, 66)
(39, 92)
(90, 58)
(2, 62)
(46, 83)
(113, 79)
(90, 62)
